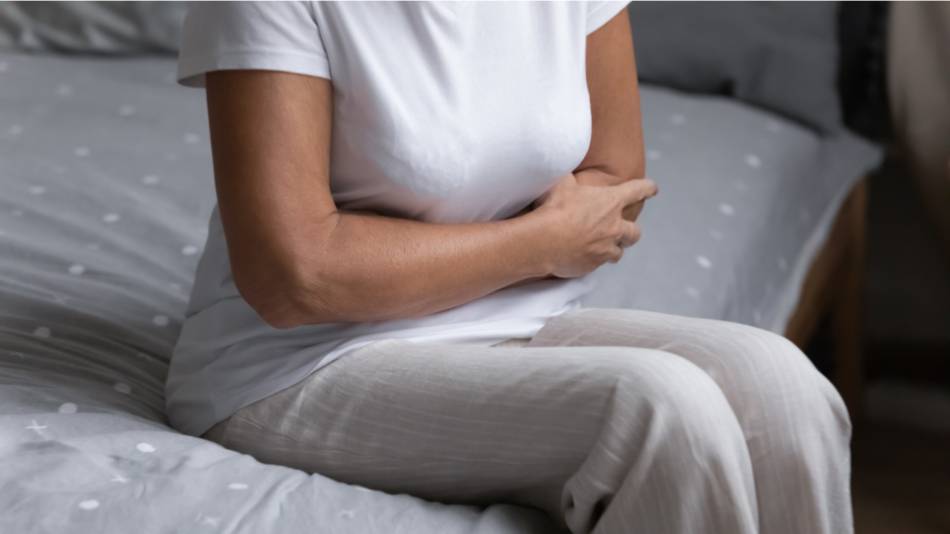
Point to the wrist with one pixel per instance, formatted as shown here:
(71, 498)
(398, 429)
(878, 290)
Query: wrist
(536, 244)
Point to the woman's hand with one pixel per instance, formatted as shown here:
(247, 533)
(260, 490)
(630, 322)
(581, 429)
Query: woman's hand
(592, 176)
(588, 222)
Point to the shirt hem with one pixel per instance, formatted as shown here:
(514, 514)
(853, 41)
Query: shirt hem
(478, 332)
(192, 69)
(601, 14)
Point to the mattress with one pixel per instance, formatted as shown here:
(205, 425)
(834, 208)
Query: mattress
(106, 191)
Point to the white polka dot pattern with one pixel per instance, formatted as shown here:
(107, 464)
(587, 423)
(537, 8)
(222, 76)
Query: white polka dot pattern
(89, 504)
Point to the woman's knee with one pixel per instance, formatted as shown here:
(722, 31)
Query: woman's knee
(674, 398)
(789, 377)
(787, 402)
(668, 436)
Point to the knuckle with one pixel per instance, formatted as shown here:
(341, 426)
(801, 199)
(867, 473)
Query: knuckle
(617, 229)
(635, 233)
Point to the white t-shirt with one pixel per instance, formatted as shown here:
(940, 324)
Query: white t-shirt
(443, 112)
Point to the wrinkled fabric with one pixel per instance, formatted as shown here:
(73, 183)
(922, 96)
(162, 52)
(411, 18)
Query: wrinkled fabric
(612, 421)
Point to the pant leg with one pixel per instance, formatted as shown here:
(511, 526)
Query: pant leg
(795, 422)
(650, 433)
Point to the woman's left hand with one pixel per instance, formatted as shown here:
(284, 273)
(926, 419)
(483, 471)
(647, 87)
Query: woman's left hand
(595, 177)
(598, 177)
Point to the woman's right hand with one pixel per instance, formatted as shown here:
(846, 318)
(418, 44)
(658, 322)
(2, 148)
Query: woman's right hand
(587, 224)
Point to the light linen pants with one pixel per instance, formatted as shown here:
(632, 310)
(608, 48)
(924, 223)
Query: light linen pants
(613, 421)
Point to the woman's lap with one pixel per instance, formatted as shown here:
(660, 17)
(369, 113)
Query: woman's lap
(461, 423)
(423, 418)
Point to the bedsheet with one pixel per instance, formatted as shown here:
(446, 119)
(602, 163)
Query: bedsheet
(746, 201)
(106, 189)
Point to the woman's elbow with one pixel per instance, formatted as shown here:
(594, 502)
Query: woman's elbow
(278, 315)
(283, 297)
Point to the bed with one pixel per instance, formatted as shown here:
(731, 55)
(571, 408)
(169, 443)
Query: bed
(107, 188)
(106, 192)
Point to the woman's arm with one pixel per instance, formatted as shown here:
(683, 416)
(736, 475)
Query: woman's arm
(298, 260)
(616, 148)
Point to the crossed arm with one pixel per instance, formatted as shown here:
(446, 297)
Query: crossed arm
(297, 259)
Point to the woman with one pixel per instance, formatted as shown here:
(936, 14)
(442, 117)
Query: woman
(411, 198)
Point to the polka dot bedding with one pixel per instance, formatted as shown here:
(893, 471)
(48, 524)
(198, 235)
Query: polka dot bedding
(746, 200)
(106, 190)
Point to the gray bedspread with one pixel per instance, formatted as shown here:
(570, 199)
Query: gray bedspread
(106, 189)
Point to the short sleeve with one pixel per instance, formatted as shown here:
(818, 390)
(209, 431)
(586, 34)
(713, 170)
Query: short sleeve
(598, 13)
(281, 36)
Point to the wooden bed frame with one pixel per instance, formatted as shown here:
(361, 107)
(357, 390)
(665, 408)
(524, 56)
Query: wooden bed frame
(833, 289)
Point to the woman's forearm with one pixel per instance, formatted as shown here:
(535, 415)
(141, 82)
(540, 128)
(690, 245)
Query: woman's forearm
(375, 268)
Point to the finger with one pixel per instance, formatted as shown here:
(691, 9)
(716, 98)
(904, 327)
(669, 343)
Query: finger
(637, 190)
(630, 235)
(615, 254)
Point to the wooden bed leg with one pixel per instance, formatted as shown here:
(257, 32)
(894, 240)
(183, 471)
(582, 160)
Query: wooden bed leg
(847, 316)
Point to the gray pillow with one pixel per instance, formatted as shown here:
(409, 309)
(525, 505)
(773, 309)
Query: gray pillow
(92, 27)
(782, 56)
